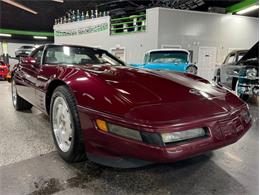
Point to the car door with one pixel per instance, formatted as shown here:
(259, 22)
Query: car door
(27, 76)
(165, 66)
(47, 72)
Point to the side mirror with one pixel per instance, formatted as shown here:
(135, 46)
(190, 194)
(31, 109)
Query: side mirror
(29, 60)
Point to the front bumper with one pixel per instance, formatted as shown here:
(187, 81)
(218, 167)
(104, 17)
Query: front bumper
(249, 89)
(116, 151)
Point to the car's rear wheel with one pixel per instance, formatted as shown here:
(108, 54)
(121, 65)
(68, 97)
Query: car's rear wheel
(66, 128)
(18, 102)
(244, 97)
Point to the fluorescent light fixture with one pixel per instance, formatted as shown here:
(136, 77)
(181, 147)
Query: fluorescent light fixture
(248, 9)
(5, 35)
(60, 1)
(20, 6)
(39, 37)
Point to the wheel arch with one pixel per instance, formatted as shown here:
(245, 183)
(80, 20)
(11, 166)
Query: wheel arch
(192, 65)
(51, 87)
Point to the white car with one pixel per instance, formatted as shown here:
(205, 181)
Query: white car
(24, 50)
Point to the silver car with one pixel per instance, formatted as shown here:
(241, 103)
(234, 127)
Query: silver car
(239, 72)
(24, 50)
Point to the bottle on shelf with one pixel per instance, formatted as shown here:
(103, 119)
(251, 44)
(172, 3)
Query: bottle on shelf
(78, 15)
(92, 14)
(65, 19)
(87, 15)
(96, 13)
(82, 16)
(69, 18)
(73, 16)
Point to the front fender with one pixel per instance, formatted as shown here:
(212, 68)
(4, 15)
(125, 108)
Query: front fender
(95, 93)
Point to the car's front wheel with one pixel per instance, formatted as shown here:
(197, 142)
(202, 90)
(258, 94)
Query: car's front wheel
(192, 70)
(65, 123)
(18, 102)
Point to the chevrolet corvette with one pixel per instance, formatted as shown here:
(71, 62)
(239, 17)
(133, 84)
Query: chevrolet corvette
(120, 116)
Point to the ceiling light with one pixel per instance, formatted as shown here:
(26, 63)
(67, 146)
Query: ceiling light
(5, 35)
(248, 9)
(20, 6)
(39, 37)
(60, 1)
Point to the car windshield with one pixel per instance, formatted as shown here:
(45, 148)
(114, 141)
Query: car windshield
(27, 47)
(77, 55)
(176, 57)
(240, 55)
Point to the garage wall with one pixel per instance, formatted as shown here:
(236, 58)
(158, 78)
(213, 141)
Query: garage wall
(192, 30)
(135, 44)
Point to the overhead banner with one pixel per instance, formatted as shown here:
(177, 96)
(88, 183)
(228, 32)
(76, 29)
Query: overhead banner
(82, 27)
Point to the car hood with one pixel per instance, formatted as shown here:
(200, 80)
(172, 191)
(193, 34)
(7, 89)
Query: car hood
(159, 96)
(252, 53)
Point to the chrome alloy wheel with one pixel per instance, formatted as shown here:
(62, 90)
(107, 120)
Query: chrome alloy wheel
(62, 124)
(191, 70)
(14, 93)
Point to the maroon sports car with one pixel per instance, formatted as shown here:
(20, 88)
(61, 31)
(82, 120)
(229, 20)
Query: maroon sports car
(120, 116)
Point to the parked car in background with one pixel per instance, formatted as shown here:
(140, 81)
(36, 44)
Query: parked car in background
(24, 50)
(121, 116)
(4, 70)
(240, 72)
(168, 59)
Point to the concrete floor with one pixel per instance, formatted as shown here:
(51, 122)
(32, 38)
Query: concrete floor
(30, 165)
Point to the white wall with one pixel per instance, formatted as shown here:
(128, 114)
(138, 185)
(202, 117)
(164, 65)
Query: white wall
(197, 29)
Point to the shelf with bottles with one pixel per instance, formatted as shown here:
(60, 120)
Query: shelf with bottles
(130, 24)
(75, 16)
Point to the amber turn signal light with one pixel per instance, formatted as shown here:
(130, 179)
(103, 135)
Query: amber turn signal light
(102, 125)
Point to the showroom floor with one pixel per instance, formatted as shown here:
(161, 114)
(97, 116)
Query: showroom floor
(30, 165)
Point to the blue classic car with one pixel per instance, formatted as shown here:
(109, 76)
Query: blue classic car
(168, 59)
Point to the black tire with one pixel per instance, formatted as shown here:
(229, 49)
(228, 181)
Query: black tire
(19, 104)
(192, 70)
(216, 78)
(76, 152)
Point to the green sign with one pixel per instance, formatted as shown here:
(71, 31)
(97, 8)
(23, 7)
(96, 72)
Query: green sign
(82, 31)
